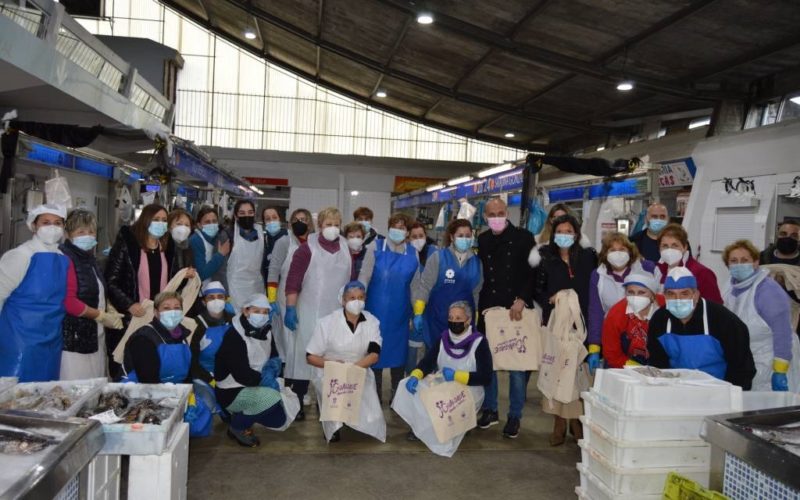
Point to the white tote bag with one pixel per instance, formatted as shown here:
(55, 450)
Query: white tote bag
(451, 408)
(515, 345)
(342, 390)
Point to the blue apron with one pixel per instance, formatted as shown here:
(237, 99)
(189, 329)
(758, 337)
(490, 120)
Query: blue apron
(30, 323)
(389, 299)
(454, 283)
(695, 351)
(175, 360)
(209, 345)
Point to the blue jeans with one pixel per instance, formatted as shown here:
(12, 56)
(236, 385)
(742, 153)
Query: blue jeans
(411, 359)
(517, 393)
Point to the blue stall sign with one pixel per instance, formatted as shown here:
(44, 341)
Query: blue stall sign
(195, 167)
(58, 158)
(624, 187)
(565, 194)
(498, 183)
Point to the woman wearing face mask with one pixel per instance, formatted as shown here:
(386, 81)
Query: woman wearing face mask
(563, 264)
(674, 245)
(209, 251)
(137, 268)
(350, 335)
(273, 232)
(395, 273)
(33, 284)
(355, 234)
(461, 355)
(158, 353)
(419, 239)
(320, 267)
(618, 259)
(626, 325)
(247, 252)
(247, 369)
(84, 354)
(555, 211)
(763, 305)
(179, 253)
(212, 323)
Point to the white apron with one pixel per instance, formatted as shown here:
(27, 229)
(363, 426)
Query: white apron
(76, 366)
(244, 268)
(327, 273)
(278, 330)
(744, 306)
(409, 406)
(344, 345)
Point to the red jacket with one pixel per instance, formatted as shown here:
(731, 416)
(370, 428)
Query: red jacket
(706, 279)
(625, 335)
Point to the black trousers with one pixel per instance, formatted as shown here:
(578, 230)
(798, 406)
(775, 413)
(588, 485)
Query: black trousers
(396, 374)
(299, 387)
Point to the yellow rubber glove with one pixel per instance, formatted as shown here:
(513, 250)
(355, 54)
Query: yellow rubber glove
(593, 348)
(213, 383)
(461, 377)
(272, 294)
(192, 400)
(631, 362)
(419, 307)
(417, 373)
(780, 365)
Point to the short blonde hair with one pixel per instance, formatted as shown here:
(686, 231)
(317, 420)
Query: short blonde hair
(328, 213)
(623, 240)
(743, 244)
(165, 296)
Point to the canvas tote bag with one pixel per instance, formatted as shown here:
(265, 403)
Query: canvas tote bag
(342, 389)
(515, 345)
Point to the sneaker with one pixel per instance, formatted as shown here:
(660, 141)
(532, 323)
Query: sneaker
(336, 437)
(246, 438)
(301, 415)
(488, 419)
(511, 430)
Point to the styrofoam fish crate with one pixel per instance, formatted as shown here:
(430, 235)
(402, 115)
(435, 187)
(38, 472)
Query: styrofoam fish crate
(143, 439)
(162, 477)
(90, 388)
(7, 383)
(765, 400)
(645, 453)
(592, 488)
(642, 481)
(691, 393)
(632, 427)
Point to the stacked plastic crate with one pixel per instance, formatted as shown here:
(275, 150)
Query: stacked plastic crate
(641, 424)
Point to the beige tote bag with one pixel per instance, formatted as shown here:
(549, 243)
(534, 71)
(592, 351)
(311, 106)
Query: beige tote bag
(342, 389)
(515, 345)
(451, 408)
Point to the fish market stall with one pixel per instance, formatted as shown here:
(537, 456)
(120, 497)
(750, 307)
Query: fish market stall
(42, 458)
(59, 399)
(755, 454)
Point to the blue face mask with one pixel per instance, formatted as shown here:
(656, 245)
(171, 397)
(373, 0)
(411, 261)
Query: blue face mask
(273, 227)
(656, 225)
(170, 319)
(741, 272)
(367, 225)
(211, 230)
(257, 319)
(680, 308)
(85, 243)
(397, 235)
(157, 229)
(564, 240)
(463, 244)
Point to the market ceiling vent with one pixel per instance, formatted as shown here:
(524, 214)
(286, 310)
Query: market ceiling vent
(548, 70)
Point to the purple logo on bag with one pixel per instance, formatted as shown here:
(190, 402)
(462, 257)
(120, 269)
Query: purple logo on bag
(336, 388)
(548, 359)
(517, 344)
(450, 406)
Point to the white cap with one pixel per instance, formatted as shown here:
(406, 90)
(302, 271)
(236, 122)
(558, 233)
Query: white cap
(213, 287)
(679, 278)
(45, 209)
(643, 279)
(257, 300)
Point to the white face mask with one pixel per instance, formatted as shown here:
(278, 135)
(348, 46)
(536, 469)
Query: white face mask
(180, 233)
(216, 306)
(671, 256)
(638, 302)
(618, 258)
(418, 244)
(50, 235)
(355, 244)
(355, 307)
(330, 233)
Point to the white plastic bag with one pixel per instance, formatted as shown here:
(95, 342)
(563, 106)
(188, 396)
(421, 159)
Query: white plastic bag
(57, 191)
(465, 211)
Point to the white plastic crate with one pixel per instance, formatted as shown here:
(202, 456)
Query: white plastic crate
(165, 476)
(645, 453)
(103, 476)
(630, 480)
(632, 427)
(765, 400)
(592, 488)
(691, 393)
(89, 387)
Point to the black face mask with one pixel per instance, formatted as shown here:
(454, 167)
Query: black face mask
(299, 228)
(247, 222)
(786, 245)
(457, 327)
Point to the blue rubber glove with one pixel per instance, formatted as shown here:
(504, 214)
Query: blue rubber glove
(449, 374)
(270, 372)
(411, 384)
(418, 324)
(229, 308)
(291, 318)
(780, 382)
(594, 361)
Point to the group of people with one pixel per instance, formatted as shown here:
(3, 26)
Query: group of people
(279, 300)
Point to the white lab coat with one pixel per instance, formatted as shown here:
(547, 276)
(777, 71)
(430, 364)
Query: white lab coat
(333, 340)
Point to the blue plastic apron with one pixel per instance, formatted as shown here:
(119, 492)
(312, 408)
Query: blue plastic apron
(175, 360)
(389, 299)
(209, 345)
(30, 324)
(695, 351)
(454, 283)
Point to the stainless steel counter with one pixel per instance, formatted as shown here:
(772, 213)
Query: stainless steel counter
(43, 474)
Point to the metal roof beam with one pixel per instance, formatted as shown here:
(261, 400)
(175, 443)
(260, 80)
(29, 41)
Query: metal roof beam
(320, 24)
(751, 56)
(397, 42)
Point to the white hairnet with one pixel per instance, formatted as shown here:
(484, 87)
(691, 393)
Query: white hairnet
(643, 279)
(213, 287)
(45, 209)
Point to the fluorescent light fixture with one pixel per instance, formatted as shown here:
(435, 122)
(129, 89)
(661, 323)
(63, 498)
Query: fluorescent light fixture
(425, 18)
(250, 35)
(353, 193)
(435, 187)
(509, 135)
(381, 94)
(459, 180)
(537, 153)
(448, 189)
(625, 86)
(495, 170)
(256, 190)
(700, 122)
(601, 148)
(795, 100)
(510, 174)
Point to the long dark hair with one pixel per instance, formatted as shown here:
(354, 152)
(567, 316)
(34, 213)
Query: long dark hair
(576, 226)
(140, 227)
